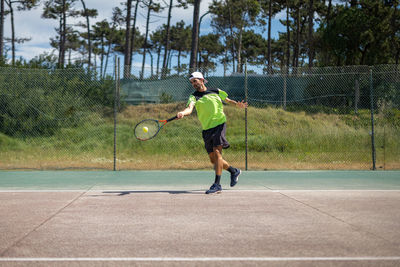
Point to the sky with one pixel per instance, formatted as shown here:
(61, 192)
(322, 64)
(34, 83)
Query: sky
(30, 24)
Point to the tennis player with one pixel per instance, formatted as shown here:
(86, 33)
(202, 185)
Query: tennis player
(208, 103)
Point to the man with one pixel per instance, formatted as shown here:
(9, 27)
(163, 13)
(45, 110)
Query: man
(208, 103)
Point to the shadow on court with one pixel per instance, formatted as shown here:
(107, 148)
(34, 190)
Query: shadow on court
(172, 192)
(268, 219)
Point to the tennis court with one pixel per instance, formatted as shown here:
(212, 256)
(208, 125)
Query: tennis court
(147, 218)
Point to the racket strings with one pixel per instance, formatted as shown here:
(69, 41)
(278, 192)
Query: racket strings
(146, 129)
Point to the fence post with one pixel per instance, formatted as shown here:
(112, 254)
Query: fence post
(356, 95)
(285, 88)
(371, 90)
(245, 112)
(115, 109)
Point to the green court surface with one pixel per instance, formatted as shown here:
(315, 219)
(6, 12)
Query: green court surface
(198, 180)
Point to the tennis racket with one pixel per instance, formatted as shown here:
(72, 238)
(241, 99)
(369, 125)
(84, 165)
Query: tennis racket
(149, 128)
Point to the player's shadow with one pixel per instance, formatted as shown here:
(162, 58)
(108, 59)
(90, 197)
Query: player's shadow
(173, 192)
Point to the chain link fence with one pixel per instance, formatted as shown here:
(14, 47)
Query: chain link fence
(320, 118)
(55, 119)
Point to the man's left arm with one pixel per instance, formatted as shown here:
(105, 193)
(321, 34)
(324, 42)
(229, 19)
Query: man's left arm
(241, 104)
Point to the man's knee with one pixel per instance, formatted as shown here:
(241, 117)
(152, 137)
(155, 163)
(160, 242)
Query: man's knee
(217, 152)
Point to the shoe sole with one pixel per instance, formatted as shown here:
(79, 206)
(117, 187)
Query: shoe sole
(237, 178)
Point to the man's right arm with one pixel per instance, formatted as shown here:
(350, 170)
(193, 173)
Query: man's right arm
(186, 111)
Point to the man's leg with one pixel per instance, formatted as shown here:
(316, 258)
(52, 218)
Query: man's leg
(217, 160)
(220, 163)
(213, 159)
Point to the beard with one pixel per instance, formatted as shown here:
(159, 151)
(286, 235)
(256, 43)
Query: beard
(197, 86)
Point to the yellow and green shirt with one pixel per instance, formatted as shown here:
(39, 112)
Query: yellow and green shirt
(209, 107)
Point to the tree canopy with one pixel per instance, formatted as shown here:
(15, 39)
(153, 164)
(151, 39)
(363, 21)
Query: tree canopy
(317, 33)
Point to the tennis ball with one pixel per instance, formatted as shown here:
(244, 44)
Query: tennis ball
(145, 129)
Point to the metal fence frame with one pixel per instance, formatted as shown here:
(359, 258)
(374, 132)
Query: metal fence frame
(286, 79)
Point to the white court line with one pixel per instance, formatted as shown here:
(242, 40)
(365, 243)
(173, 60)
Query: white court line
(212, 259)
(197, 190)
(42, 191)
(334, 190)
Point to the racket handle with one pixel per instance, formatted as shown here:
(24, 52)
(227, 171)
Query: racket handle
(173, 118)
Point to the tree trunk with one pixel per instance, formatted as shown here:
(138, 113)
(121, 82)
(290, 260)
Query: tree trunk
(327, 57)
(297, 43)
(69, 56)
(269, 37)
(195, 36)
(169, 58)
(12, 33)
(395, 45)
(107, 55)
(288, 37)
(127, 54)
(145, 39)
(60, 42)
(108, 49)
(63, 30)
(328, 14)
(158, 60)
(133, 35)
(225, 61)
(151, 64)
(102, 54)
(232, 39)
(239, 53)
(310, 33)
(166, 41)
(179, 61)
(88, 32)
(1, 31)
(198, 45)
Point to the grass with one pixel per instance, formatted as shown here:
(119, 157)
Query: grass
(277, 139)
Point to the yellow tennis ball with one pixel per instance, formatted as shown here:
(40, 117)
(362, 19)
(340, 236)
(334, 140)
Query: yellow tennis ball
(145, 129)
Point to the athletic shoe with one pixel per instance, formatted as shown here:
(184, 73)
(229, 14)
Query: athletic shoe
(215, 188)
(235, 177)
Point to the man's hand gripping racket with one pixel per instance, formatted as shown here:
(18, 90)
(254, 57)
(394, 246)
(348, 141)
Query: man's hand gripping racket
(149, 128)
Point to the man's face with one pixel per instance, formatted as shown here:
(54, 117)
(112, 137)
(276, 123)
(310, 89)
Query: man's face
(197, 83)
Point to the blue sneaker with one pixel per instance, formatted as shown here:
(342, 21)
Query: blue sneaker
(235, 177)
(215, 188)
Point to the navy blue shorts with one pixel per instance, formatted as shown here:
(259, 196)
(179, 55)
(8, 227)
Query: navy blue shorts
(215, 137)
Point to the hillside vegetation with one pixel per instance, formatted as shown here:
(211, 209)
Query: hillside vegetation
(277, 139)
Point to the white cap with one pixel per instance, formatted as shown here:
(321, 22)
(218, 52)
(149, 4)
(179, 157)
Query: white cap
(197, 75)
